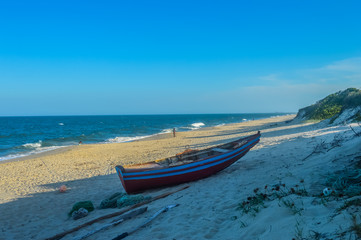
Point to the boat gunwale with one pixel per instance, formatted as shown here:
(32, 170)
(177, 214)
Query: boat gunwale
(201, 162)
(190, 169)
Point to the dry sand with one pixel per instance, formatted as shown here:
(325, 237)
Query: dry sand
(32, 208)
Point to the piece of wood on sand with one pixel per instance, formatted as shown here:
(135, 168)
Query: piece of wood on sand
(61, 235)
(125, 234)
(123, 218)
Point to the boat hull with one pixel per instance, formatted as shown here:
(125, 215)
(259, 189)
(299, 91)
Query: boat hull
(137, 181)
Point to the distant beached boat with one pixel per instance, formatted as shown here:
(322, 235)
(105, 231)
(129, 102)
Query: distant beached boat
(187, 166)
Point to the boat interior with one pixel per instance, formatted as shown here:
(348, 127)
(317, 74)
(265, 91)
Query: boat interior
(187, 156)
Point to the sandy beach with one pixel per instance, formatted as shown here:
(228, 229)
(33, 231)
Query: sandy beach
(291, 155)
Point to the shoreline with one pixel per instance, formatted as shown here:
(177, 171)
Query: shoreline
(157, 136)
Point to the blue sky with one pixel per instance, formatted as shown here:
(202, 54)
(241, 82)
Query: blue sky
(160, 57)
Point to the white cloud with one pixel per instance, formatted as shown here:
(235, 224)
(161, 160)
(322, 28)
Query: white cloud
(346, 65)
(270, 77)
(290, 91)
(283, 98)
(345, 72)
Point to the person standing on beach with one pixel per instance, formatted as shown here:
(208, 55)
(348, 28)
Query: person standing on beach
(173, 132)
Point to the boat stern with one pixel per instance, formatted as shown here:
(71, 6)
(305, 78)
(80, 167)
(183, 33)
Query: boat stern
(120, 170)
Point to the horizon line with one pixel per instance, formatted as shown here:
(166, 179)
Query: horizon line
(139, 114)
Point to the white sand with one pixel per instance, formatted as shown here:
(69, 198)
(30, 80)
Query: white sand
(32, 208)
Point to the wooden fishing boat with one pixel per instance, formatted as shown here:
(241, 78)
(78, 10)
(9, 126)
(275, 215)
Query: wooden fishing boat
(188, 166)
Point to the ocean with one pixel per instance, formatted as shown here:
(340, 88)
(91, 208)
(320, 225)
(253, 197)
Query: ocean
(23, 136)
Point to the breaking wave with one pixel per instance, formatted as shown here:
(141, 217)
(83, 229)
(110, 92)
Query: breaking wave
(168, 130)
(197, 125)
(32, 152)
(124, 139)
(33, 145)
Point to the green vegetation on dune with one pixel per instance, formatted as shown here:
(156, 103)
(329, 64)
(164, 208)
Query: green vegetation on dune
(333, 105)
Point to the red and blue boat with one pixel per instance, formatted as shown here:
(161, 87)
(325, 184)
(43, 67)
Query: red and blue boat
(187, 166)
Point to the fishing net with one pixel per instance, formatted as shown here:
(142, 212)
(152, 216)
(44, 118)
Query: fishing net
(128, 200)
(82, 212)
(347, 182)
(119, 200)
(88, 205)
(111, 202)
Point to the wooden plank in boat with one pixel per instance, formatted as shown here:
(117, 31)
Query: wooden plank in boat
(220, 150)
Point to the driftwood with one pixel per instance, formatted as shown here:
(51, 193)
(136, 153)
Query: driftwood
(336, 142)
(125, 234)
(319, 148)
(322, 146)
(61, 235)
(115, 222)
(357, 134)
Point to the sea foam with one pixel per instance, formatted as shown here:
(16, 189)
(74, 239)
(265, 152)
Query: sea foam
(35, 151)
(197, 125)
(168, 130)
(124, 139)
(33, 145)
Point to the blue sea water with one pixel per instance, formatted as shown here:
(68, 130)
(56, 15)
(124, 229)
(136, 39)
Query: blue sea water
(22, 136)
